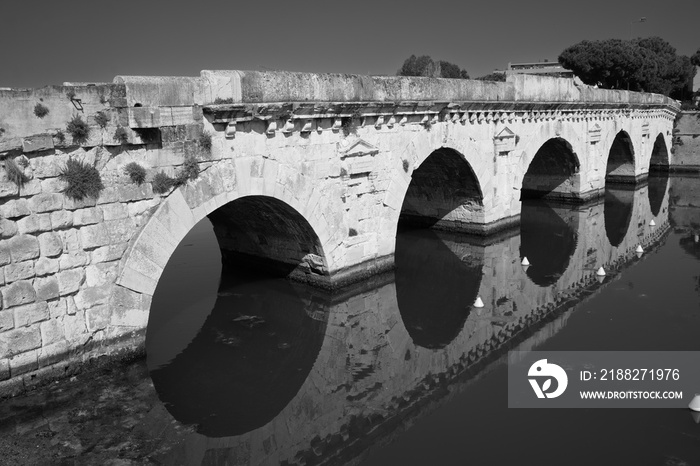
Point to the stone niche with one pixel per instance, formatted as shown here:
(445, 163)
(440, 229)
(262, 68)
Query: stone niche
(504, 142)
(357, 156)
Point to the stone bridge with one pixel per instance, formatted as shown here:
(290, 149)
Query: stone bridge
(380, 358)
(302, 174)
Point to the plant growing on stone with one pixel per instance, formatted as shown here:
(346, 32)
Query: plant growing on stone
(204, 141)
(83, 180)
(15, 173)
(189, 171)
(162, 183)
(136, 172)
(41, 110)
(121, 135)
(219, 100)
(78, 129)
(101, 118)
(60, 137)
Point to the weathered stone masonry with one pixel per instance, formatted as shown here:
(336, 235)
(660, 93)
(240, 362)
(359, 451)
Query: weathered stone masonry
(328, 158)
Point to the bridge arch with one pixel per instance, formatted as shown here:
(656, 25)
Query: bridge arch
(620, 166)
(244, 217)
(553, 172)
(443, 192)
(659, 161)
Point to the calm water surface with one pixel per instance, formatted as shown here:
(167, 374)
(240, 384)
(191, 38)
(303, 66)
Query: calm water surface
(403, 369)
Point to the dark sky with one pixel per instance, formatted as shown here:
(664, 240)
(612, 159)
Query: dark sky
(75, 40)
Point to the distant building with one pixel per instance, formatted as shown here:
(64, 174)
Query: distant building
(549, 68)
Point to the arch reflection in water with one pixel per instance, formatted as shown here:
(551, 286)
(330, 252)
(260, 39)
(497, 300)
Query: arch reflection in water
(227, 363)
(619, 202)
(548, 239)
(658, 183)
(248, 361)
(438, 276)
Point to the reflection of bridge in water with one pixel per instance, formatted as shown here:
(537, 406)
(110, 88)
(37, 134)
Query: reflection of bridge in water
(348, 372)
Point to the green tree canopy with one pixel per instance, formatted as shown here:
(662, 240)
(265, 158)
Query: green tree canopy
(426, 66)
(645, 64)
(695, 59)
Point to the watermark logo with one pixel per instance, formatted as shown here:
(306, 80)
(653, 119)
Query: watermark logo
(544, 372)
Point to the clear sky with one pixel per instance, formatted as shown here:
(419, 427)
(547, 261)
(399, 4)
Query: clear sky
(51, 42)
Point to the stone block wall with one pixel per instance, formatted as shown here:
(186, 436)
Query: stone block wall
(686, 142)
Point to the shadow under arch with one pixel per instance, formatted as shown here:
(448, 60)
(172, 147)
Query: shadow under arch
(658, 175)
(437, 278)
(548, 238)
(265, 234)
(444, 192)
(659, 156)
(552, 173)
(247, 362)
(620, 165)
(617, 212)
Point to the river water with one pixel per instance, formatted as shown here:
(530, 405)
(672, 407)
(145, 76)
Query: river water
(400, 369)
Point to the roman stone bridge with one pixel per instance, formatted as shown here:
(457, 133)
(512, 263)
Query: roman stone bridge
(302, 174)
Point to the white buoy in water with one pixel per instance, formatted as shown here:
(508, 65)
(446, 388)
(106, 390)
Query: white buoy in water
(695, 403)
(652, 223)
(478, 302)
(639, 248)
(600, 272)
(525, 261)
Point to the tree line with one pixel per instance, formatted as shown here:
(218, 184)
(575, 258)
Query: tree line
(645, 64)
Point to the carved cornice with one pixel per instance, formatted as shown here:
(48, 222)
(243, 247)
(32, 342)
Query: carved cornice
(290, 117)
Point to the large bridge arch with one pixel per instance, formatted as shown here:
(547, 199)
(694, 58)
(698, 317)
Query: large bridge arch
(620, 166)
(214, 194)
(443, 192)
(552, 172)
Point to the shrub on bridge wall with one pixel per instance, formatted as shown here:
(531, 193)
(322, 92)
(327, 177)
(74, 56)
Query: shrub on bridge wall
(101, 118)
(78, 129)
(189, 171)
(41, 110)
(60, 137)
(204, 141)
(82, 180)
(136, 172)
(15, 173)
(162, 183)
